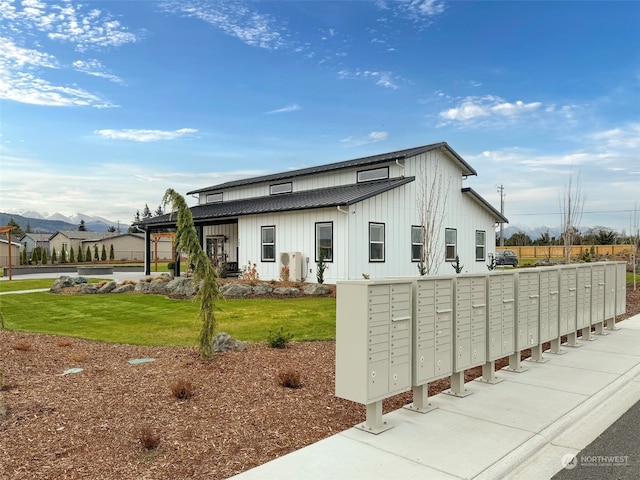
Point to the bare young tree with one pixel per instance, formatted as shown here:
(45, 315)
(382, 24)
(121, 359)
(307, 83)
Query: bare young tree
(432, 196)
(571, 207)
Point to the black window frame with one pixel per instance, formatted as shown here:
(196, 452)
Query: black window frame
(383, 259)
(317, 241)
(447, 245)
(263, 244)
(420, 244)
(483, 246)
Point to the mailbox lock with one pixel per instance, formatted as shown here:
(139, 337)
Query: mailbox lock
(373, 374)
(422, 359)
(395, 376)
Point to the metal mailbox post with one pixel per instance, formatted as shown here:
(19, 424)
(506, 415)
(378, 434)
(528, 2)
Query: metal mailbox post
(433, 299)
(373, 344)
(597, 298)
(583, 300)
(470, 325)
(549, 312)
(500, 321)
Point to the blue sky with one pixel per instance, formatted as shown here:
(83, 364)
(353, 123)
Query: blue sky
(105, 105)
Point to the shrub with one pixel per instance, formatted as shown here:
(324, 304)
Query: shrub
(182, 389)
(279, 339)
(170, 266)
(321, 266)
(149, 439)
(289, 378)
(87, 256)
(22, 346)
(457, 266)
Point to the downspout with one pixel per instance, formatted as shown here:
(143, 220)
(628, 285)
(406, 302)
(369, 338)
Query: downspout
(401, 167)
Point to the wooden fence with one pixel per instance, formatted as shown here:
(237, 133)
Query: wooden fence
(557, 251)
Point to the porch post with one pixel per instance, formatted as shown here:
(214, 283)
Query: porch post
(147, 251)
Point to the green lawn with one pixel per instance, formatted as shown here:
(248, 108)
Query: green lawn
(155, 320)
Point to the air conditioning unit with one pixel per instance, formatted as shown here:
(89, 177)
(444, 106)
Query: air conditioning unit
(294, 261)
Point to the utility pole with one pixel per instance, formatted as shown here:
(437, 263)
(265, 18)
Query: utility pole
(502, 195)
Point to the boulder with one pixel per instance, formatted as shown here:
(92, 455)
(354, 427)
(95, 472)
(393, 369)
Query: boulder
(236, 290)
(142, 287)
(289, 291)
(107, 287)
(315, 289)
(124, 288)
(223, 342)
(158, 286)
(262, 289)
(88, 288)
(60, 283)
(183, 287)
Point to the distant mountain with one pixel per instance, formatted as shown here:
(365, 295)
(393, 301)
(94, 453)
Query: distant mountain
(46, 223)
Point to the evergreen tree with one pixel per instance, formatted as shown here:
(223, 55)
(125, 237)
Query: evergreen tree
(80, 258)
(72, 255)
(95, 253)
(63, 256)
(23, 257)
(159, 211)
(82, 227)
(146, 213)
(34, 256)
(17, 232)
(111, 229)
(44, 256)
(87, 257)
(28, 229)
(204, 274)
(54, 256)
(103, 255)
(112, 255)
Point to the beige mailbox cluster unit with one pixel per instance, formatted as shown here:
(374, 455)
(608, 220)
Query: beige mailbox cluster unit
(373, 344)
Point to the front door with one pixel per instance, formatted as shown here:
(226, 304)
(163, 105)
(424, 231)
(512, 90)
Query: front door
(215, 250)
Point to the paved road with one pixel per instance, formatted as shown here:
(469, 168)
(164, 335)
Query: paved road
(614, 455)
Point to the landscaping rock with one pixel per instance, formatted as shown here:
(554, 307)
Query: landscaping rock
(224, 342)
(158, 286)
(183, 287)
(88, 288)
(262, 289)
(290, 291)
(143, 287)
(315, 289)
(236, 290)
(124, 288)
(60, 283)
(107, 287)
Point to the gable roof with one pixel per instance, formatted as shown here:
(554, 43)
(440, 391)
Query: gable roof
(320, 198)
(38, 237)
(357, 162)
(483, 203)
(83, 235)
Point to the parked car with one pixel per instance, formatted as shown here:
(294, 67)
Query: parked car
(506, 257)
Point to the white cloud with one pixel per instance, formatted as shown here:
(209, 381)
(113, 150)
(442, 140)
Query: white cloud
(294, 107)
(489, 106)
(95, 68)
(626, 137)
(13, 56)
(383, 79)
(234, 19)
(372, 137)
(145, 135)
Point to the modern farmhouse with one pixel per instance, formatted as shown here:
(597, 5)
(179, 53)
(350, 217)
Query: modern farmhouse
(385, 215)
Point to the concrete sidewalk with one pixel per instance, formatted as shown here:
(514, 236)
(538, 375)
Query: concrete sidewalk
(521, 428)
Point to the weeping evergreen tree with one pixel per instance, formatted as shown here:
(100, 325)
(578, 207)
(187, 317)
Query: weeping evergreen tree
(87, 257)
(186, 240)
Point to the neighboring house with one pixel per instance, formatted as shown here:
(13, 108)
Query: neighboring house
(33, 240)
(4, 253)
(126, 246)
(362, 215)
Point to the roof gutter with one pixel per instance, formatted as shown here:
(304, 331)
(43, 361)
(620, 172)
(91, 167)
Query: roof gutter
(342, 211)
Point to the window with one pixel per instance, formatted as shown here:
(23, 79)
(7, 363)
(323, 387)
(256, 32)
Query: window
(480, 245)
(269, 244)
(281, 188)
(375, 174)
(214, 197)
(376, 242)
(450, 241)
(417, 243)
(324, 241)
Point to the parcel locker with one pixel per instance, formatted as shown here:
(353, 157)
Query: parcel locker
(373, 339)
(549, 303)
(432, 329)
(583, 296)
(500, 315)
(470, 338)
(568, 303)
(528, 310)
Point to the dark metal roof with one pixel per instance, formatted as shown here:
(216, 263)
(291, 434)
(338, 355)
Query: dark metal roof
(476, 196)
(320, 198)
(467, 170)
